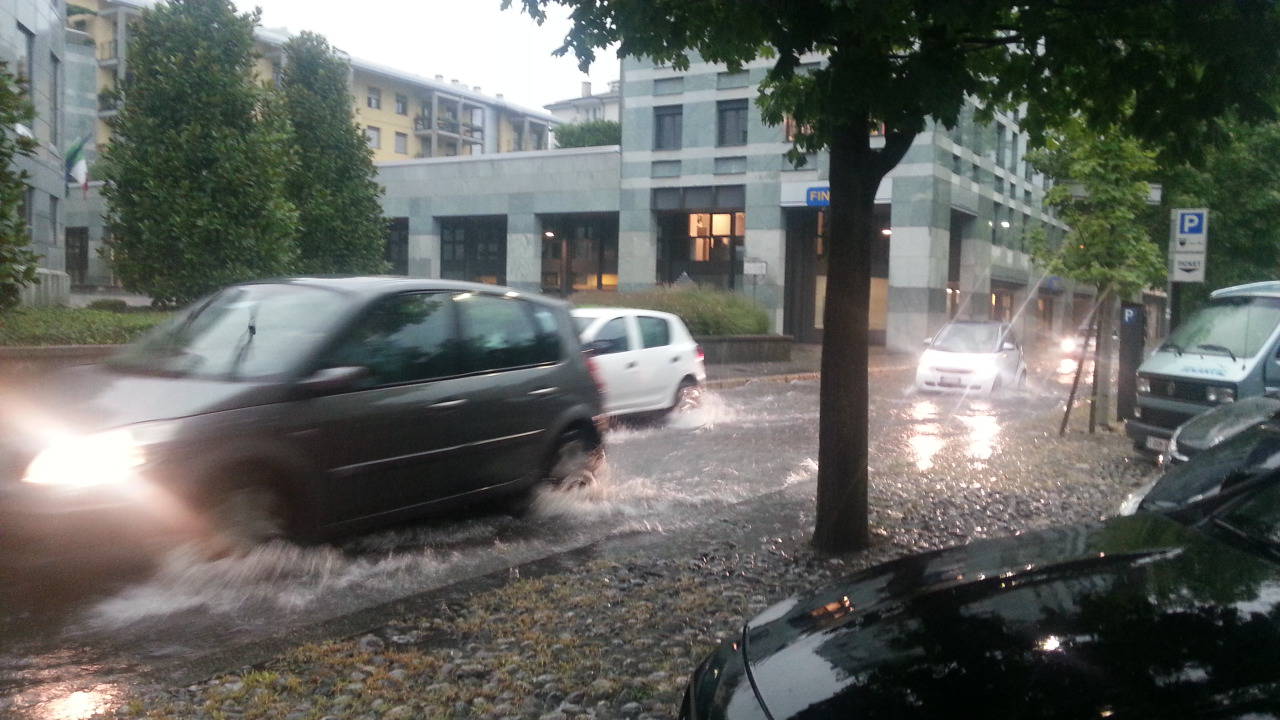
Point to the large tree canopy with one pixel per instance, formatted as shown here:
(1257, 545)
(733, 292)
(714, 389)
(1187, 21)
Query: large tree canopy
(341, 228)
(194, 175)
(1159, 68)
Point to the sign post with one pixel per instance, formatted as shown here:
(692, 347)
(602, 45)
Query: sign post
(1188, 247)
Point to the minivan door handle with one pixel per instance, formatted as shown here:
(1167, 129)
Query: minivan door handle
(632, 365)
(544, 391)
(446, 404)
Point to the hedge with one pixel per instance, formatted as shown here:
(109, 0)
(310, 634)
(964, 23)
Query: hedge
(74, 326)
(705, 311)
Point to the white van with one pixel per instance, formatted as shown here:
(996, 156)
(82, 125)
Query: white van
(1228, 349)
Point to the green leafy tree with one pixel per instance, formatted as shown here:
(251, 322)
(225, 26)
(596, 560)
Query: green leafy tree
(194, 177)
(17, 261)
(1160, 66)
(1239, 181)
(341, 225)
(1102, 195)
(589, 134)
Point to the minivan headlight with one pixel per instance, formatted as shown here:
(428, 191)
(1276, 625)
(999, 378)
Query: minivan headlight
(82, 461)
(1144, 385)
(1219, 395)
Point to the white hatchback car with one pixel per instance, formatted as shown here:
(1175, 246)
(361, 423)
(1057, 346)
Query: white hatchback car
(645, 360)
(977, 356)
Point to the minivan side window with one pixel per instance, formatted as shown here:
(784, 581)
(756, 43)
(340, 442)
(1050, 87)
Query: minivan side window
(405, 338)
(497, 333)
(615, 333)
(550, 346)
(654, 331)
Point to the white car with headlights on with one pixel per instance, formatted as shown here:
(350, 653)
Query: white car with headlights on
(972, 357)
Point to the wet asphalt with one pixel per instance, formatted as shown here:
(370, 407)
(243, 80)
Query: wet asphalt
(87, 625)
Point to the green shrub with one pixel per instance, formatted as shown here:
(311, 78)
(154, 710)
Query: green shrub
(705, 311)
(73, 326)
(110, 305)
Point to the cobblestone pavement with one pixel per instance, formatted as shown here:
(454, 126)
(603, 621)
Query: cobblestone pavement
(701, 523)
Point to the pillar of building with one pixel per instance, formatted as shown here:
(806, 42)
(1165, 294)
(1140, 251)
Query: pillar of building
(975, 264)
(766, 243)
(637, 241)
(524, 252)
(918, 251)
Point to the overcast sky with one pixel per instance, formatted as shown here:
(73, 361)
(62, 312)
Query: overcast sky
(471, 40)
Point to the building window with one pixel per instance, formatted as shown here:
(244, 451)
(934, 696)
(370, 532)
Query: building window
(1013, 154)
(1000, 145)
(55, 97)
(22, 66)
(375, 136)
(474, 248)
(402, 104)
(668, 121)
(957, 165)
(731, 122)
(397, 251)
(27, 209)
(53, 220)
(402, 143)
(374, 100)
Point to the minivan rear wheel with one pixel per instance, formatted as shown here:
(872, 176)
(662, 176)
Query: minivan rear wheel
(574, 462)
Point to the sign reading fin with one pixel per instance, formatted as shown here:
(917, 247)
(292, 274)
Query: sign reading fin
(1188, 244)
(817, 196)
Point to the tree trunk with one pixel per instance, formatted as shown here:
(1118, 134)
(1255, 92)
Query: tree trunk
(856, 171)
(1106, 365)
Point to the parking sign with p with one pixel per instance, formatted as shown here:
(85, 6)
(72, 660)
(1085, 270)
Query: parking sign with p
(1188, 245)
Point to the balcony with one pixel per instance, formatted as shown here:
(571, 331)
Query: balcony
(108, 103)
(109, 53)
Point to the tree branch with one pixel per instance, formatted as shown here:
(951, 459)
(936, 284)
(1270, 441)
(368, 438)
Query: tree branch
(896, 144)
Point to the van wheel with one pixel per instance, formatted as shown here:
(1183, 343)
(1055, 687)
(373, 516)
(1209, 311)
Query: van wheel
(244, 517)
(574, 462)
(688, 396)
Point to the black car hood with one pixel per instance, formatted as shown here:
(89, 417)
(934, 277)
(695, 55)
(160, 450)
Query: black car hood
(95, 397)
(1212, 427)
(1137, 617)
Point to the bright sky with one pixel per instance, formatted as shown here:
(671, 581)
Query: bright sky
(471, 40)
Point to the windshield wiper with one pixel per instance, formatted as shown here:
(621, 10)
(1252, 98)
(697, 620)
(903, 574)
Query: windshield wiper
(1217, 348)
(243, 349)
(1171, 346)
(1268, 546)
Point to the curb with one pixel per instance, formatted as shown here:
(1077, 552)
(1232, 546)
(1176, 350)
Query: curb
(727, 383)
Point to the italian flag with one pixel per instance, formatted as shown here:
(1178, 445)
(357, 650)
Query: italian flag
(77, 167)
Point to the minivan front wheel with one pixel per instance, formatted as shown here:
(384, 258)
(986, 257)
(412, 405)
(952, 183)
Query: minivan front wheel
(245, 516)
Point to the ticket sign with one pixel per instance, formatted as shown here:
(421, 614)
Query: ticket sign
(1188, 244)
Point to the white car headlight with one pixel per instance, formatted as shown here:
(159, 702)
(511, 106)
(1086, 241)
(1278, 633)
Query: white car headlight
(1220, 395)
(86, 460)
(1069, 345)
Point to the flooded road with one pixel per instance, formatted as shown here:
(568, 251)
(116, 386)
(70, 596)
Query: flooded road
(73, 636)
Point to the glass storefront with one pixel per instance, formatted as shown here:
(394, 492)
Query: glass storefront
(579, 252)
(474, 248)
(806, 280)
(708, 247)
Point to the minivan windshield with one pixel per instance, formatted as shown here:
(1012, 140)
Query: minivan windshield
(967, 338)
(1237, 326)
(240, 333)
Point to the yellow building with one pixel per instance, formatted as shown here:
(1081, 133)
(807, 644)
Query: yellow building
(404, 115)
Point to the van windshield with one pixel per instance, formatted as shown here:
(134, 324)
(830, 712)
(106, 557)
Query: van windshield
(968, 338)
(240, 333)
(1238, 326)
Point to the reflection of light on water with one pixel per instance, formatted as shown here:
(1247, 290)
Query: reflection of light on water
(77, 706)
(1066, 366)
(924, 410)
(925, 443)
(983, 431)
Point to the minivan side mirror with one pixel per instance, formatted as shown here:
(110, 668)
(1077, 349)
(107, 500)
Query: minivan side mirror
(1008, 346)
(928, 341)
(326, 381)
